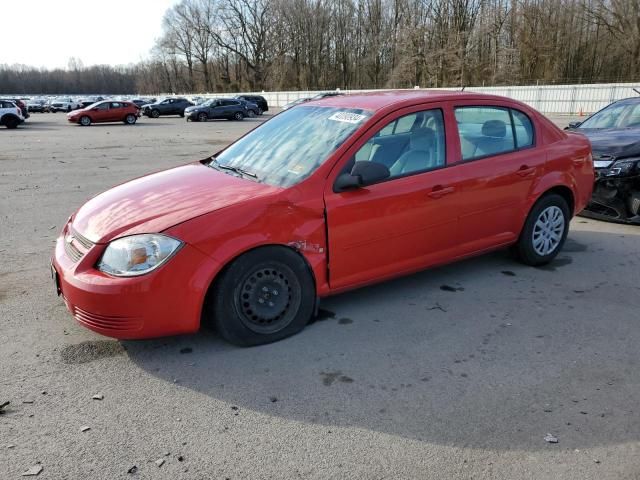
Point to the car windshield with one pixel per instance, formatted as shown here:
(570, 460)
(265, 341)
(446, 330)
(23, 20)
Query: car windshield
(209, 103)
(291, 146)
(617, 115)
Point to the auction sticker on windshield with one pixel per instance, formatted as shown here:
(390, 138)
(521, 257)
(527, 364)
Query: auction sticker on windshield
(347, 117)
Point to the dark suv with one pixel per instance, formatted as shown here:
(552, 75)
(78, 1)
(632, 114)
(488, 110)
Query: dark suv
(259, 100)
(229, 108)
(167, 106)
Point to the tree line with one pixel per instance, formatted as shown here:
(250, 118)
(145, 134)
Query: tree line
(252, 45)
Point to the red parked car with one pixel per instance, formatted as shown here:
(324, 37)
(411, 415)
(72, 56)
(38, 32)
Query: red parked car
(325, 197)
(106, 111)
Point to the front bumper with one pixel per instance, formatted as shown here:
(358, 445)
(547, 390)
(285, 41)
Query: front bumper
(167, 301)
(615, 199)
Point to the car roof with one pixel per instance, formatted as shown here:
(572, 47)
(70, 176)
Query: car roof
(378, 100)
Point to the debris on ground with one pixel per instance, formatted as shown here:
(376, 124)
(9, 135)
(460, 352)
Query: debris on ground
(85, 428)
(159, 462)
(550, 438)
(132, 469)
(273, 399)
(27, 401)
(11, 445)
(33, 471)
(98, 396)
(2, 405)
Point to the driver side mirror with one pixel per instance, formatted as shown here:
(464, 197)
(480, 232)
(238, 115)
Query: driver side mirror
(362, 174)
(573, 125)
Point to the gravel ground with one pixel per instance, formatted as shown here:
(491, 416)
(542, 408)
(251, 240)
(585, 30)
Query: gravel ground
(406, 379)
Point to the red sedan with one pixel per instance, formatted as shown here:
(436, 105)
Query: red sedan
(325, 197)
(106, 111)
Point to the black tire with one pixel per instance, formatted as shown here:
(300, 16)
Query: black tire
(526, 249)
(85, 121)
(155, 113)
(263, 296)
(251, 114)
(11, 122)
(203, 117)
(130, 119)
(238, 116)
(181, 115)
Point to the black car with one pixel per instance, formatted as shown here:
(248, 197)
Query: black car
(614, 133)
(36, 105)
(258, 100)
(253, 110)
(229, 108)
(167, 106)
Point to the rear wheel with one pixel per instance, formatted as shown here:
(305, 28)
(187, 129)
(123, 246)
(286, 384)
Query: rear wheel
(155, 113)
(11, 122)
(85, 121)
(238, 116)
(260, 112)
(130, 119)
(203, 117)
(251, 114)
(545, 231)
(265, 295)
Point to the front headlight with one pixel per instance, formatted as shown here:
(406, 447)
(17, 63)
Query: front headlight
(624, 167)
(137, 254)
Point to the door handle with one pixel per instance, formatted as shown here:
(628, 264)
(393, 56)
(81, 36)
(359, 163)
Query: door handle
(526, 170)
(440, 191)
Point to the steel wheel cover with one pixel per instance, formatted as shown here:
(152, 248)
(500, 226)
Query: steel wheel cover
(548, 230)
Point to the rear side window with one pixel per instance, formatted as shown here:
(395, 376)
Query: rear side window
(486, 131)
(523, 128)
(116, 105)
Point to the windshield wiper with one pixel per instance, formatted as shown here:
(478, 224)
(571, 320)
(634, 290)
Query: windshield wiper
(214, 163)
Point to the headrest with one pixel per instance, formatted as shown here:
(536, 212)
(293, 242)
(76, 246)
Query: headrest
(494, 128)
(422, 139)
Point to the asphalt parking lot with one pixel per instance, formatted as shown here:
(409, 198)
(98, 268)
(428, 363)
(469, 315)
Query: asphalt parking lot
(456, 372)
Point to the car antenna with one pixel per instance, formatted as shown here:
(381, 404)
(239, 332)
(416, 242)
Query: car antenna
(464, 86)
(637, 91)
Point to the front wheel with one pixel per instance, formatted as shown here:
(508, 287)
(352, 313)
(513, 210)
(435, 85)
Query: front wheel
(155, 113)
(545, 231)
(251, 114)
(85, 121)
(130, 119)
(202, 117)
(265, 295)
(238, 116)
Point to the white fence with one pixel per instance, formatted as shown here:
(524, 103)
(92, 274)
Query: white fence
(551, 99)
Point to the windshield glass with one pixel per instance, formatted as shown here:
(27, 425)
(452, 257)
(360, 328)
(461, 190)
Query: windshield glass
(618, 115)
(209, 103)
(291, 146)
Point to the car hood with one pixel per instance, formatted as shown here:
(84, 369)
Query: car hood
(615, 142)
(161, 200)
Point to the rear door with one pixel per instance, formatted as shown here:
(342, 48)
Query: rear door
(401, 224)
(499, 163)
(116, 112)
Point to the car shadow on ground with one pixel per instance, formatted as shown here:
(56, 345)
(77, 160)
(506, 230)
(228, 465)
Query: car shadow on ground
(485, 353)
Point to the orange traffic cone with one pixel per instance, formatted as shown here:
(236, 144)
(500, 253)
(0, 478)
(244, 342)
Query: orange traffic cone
(581, 112)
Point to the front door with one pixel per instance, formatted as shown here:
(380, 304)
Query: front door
(405, 222)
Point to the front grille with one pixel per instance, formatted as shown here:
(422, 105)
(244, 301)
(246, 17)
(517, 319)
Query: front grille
(72, 251)
(76, 245)
(107, 322)
(85, 242)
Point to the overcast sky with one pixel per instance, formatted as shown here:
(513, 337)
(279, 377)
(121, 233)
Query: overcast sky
(46, 33)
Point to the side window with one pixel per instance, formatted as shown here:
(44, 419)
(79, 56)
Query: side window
(524, 129)
(418, 146)
(116, 105)
(103, 106)
(484, 131)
